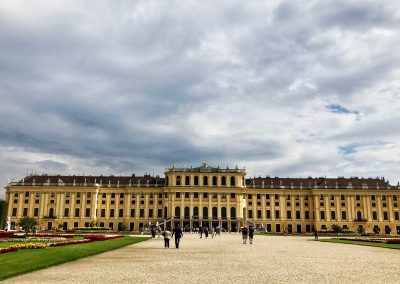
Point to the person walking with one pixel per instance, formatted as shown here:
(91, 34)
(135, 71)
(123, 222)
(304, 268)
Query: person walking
(205, 232)
(153, 232)
(212, 232)
(178, 235)
(316, 234)
(167, 237)
(201, 232)
(244, 235)
(251, 234)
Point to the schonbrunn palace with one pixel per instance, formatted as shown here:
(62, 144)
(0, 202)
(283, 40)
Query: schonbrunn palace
(206, 196)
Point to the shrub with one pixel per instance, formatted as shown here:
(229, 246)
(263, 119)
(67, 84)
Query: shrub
(98, 237)
(336, 228)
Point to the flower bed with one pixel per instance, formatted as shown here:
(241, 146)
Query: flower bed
(92, 229)
(34, 239)
(68, 236)
(70, 243)
(98, 237)
(6, 234)
(393, 241)
(9, 249)
(370, 240)
(29, 246)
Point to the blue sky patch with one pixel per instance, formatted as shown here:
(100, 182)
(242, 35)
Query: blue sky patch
(340, 109)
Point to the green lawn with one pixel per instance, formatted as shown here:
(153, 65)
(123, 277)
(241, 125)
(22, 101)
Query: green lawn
(23, 261)
(381, 245)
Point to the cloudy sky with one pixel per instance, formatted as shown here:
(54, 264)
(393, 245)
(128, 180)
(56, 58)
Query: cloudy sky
(286, 88)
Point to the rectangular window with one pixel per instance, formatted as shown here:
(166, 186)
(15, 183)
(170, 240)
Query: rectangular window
(111, 213)
(374, 215)
(132, 213)
(233, 195)
(333, 215)
(321, 197)
(289, 214)
(383, 197)
(25, 212)
(258, 196)
(37, 194)
(332, 197)
(277, 214)
(133, 195)
(89, 194)
(322, 215)
(394, 197)
(297, 197)
(187, 195)
(103, 213)
(68, 194)
(288, 197)
(141, 213)
(250, 214)
(104, 195)
(36, 212)
(342, 197)
(142, 195)
(267, 196)
(306, 215)
(298, 215)
(26, 193)
(268, 214)
(121, 213)
(385, 216)
(396, 216)
(343, 215)
(178, 195)
(205, 195)
(121, 195)
(159, 212)
(372, 197)
(195, 195)
(53, 194)
(249, 196)
(78, 194)
(14, 212)
(76, 212)
(259, 214)
(358, 197)
(87, 212)
(88, 201)
(306, 197)
(113, 195)
(67, 201)
(223, 195)
(276, 196)
(66, 212)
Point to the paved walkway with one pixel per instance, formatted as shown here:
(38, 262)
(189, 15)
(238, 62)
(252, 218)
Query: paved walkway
(225, 259)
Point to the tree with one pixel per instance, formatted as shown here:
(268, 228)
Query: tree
(3, 213)
(28, 224)
(336, 228)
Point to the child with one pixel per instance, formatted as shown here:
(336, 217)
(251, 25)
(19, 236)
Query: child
(167, 237)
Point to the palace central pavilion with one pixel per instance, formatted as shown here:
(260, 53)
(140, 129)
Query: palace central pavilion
(206, 196)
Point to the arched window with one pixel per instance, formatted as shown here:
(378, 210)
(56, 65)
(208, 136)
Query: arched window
(205, 180)
(214, 180)
(223, 181)
(233, 212)
(215, 212)
(359, 215)
(178, 180)
(205, 212)
(51, 212)
(195, 212)
(177, 212)
(196, 180)
(232, 181)
(223, 212)
(187, 212)
(187, 180)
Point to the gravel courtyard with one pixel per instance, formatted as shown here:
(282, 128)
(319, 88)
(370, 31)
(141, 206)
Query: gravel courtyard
(225, 259)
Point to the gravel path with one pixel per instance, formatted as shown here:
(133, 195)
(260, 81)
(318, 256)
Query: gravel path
(270, 259)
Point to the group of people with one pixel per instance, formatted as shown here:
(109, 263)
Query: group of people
(168, 234)
(213, 231)
(248, 233)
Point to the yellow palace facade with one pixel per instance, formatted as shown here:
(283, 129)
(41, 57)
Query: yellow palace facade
(206, 196)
